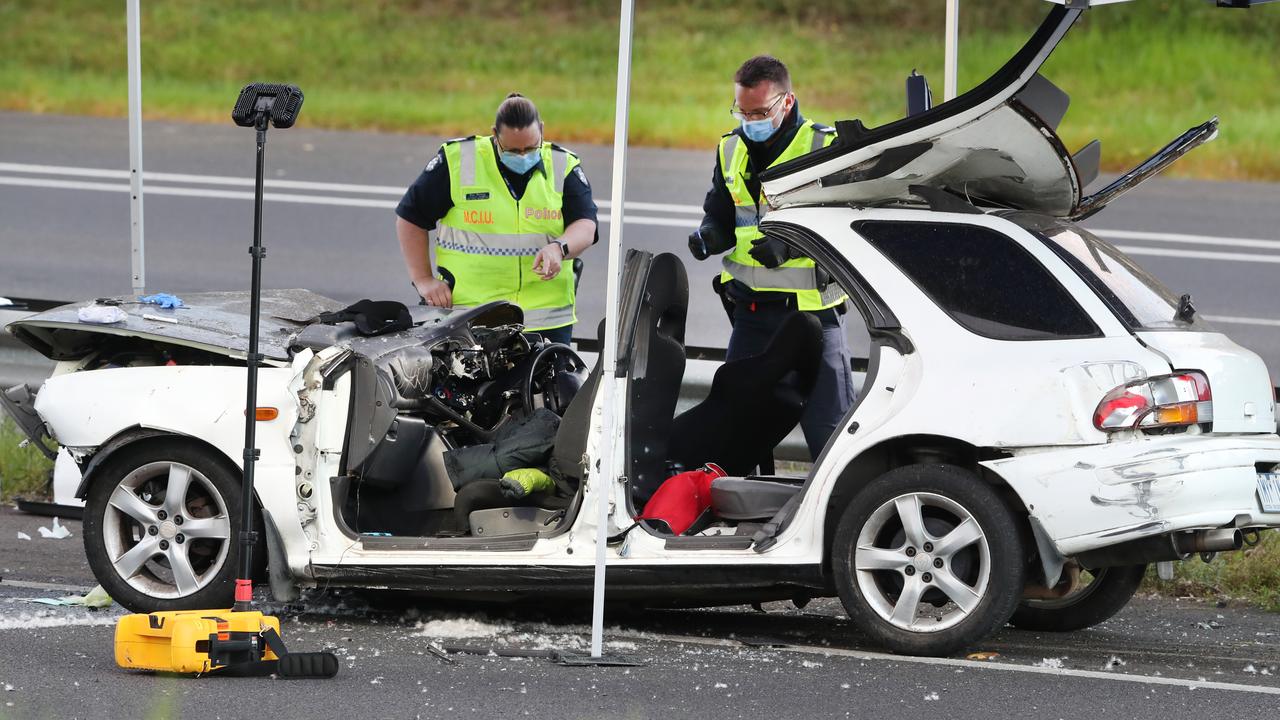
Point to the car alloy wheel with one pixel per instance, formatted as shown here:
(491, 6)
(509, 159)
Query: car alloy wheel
(923, 562)
(166, 530)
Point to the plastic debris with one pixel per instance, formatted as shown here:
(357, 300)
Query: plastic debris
(95, 598)
(4, 302)
(57, 532)
(982, 655)
(23, 536)
(164, 300)
(101, 314)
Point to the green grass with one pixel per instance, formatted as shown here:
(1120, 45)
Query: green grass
(1140, 74)
(24, 472)
(1251, 575)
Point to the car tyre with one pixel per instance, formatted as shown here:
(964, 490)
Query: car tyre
(153, 551)
(937, 535)
(1112, 588)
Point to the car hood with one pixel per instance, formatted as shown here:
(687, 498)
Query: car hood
(995, 146)
(216, 322)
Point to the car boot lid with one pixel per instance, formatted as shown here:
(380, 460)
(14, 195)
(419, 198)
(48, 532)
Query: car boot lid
(995, 145)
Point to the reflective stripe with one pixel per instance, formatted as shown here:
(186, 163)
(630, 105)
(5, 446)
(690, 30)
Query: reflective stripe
(833, 294)
(745, 216)
(758, 277)
(819, 140)
(548, 318)
(558, 161)
(474, 243)
(730, 145)
(467, 162)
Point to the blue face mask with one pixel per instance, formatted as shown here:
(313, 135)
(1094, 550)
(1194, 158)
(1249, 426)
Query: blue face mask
(520, 164)
(758, 130)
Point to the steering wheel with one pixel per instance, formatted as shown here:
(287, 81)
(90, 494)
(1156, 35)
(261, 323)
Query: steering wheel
(550, 361)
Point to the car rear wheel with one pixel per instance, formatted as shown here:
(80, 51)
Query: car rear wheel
(1106, 594)
(159, 527)
(928, 559)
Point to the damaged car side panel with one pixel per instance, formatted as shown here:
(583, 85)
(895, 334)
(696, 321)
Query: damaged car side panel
(1094, 497)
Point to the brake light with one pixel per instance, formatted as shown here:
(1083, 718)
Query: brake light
(1179, 399)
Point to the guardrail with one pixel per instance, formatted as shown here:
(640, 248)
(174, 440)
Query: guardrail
(21, 364)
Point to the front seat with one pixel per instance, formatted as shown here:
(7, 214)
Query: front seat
(656, 368)
(753, 403)
(480, 504)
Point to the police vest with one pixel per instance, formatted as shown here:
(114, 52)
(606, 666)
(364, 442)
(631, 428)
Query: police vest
(488, 238)
(796, 275)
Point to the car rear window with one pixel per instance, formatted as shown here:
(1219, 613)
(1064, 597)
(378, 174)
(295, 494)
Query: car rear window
(983, 279)
(1137, 298)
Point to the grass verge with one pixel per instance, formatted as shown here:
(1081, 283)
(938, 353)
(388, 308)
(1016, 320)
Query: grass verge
(24, 471)
(1251, 575)
(1141, 73)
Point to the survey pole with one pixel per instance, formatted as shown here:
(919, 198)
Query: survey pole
(604, 478)
(952, 49)
(133, 20)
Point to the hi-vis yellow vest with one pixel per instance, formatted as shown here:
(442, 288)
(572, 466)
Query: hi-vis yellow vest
(488, 238)
(795, 275)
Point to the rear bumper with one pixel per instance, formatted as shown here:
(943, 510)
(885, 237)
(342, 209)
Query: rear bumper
(1093, 497)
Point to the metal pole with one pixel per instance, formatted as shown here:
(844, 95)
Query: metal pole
(603, 481)
(133, 20)
(952, 49)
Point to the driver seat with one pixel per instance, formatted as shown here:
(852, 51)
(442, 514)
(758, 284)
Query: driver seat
(480, 505)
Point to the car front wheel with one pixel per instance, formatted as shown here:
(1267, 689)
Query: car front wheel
(928, 559)
(159, 524)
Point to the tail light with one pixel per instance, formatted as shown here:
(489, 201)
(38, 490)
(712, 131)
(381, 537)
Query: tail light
(1180, 399)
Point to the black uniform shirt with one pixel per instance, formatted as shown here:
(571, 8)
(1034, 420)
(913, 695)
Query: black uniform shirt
(428, 199)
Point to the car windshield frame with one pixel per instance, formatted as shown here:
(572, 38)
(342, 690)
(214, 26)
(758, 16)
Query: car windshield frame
(1136, 297)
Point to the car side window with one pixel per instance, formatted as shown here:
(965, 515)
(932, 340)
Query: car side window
(983, 279)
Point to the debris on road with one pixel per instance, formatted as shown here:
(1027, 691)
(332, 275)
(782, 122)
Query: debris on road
(95, 598)
(23, 536)
(57, 532)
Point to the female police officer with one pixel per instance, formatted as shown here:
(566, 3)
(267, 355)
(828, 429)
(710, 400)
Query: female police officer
(510, 210)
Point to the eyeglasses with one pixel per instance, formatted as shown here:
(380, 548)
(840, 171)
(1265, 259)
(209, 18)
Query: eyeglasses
(740, 114)
(518, 151)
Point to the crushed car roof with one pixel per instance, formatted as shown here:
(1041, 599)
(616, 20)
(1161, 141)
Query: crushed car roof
(215, 321)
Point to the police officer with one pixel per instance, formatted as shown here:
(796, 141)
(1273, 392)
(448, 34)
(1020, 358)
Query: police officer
(764, 278)
(510, 212)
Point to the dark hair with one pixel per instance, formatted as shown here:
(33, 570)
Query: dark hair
(762, 68)
(516, 112)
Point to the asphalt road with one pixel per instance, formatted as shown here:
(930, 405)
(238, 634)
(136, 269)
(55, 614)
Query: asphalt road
(1158, 658)
(64, 219)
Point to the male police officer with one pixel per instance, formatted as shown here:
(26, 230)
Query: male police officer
(510, 211)
(766, 279)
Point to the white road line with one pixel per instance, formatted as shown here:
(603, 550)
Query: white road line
(975, 664)
(692, 210)
(1234, 320)
(277, 197)
(272, 183)
(33, 585)
(1199, 254)
(1194, 239)
(201, 179)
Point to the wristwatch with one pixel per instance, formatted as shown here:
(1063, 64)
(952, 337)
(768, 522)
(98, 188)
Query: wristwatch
(564, 249)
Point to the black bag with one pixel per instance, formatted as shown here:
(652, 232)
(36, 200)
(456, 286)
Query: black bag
(372, 317)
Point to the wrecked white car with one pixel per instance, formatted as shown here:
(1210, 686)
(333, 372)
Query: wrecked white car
(1041, 419)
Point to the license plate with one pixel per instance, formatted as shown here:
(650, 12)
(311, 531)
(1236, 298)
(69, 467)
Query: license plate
(1269, 491)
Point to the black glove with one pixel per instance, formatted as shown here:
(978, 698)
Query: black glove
(709, 240)
(770, 252)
